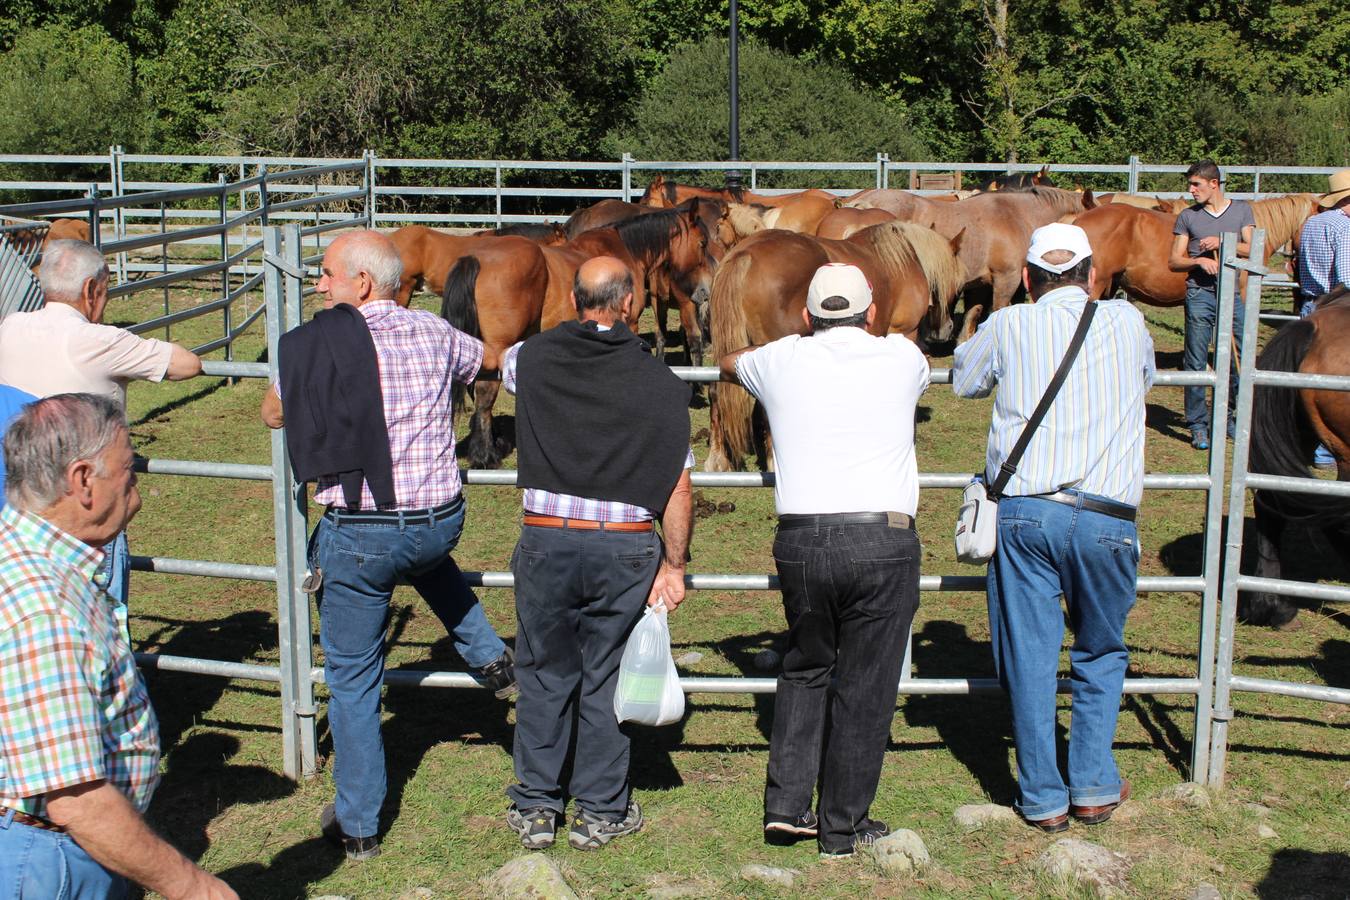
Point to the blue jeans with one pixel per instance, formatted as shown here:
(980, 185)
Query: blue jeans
(850, 593)
(114, 576)
(44, 864)
(1047, 550)
(1202, 312)
(361, 565)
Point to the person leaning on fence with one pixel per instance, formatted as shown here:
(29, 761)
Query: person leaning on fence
(64, 347)
(1065, 520)
(79, 744)
(841, 405)
(602, 432)
(1324, 260)
(366, 392)
(1195, 251)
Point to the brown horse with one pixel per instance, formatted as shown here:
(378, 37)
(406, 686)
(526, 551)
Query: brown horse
(1287, 424)
(760, 291)
(1143, 201)
(541, 232)
(997, 230)
(428, 255)
(1130, 245)
(800, 211)
(476, 302)
(847, 220)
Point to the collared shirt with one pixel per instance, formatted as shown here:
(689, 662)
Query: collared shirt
(73, 708)
(1092, 438)
(570, 506)
(420, 355)
(841, 407)
(1324, 252)
(56, 350)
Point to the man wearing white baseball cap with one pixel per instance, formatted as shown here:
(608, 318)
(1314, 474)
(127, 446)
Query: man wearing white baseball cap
(1065, 516)
(840, 403)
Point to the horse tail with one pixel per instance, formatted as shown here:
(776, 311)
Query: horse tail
(459, 307)
(730, 439)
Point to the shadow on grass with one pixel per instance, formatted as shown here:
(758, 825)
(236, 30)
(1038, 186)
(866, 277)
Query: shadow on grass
(1167, 422)
(1306, 875)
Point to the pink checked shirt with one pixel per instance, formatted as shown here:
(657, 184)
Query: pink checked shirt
(420, 355)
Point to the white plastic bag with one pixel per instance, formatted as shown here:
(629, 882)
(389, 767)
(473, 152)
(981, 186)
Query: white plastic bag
(649, 687)
(976, 525)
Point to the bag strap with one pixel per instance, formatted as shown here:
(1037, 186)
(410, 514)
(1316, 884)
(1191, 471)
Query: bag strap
(1009, 467)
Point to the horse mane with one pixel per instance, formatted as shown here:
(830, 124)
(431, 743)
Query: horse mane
(745, 218)
(1282, 217)
(1057, 198)
(649, 235)
(671, 188)
(901, 244)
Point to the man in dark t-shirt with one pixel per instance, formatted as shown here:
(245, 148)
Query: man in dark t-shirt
(1195, 251)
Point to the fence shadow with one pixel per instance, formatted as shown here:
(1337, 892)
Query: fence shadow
(1306, 875)
(1166, 421)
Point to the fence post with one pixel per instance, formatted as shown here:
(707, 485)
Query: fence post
(1132, 186)
(94, 235)
(1256, 183)
(262, 195)
(754, 183)
(370, 188)
(882, 160)
(498, 170)
(119, 216)
(1237, 496)
(627, 163)
(225, 271)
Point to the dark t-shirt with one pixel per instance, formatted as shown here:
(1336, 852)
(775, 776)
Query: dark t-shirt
(1197, 222)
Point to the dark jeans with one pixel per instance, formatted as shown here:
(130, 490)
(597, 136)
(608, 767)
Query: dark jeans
(578, 595)
(850, 593)
(1202, 314)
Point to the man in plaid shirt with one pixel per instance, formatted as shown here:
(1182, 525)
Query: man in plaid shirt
(79, 744)
(362, 553)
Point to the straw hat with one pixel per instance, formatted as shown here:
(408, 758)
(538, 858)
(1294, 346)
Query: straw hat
(1340, 189)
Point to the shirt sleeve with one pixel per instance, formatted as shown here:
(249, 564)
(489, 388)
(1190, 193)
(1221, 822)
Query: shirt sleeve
(1340, 259)
(50, 707)
(466, 356)
(973, 372)
(1182, 225)
(125, 356)
(750, 369)
(1248, 217)
(509, 359)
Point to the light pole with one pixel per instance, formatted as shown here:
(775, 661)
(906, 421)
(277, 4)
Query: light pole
(733, 176)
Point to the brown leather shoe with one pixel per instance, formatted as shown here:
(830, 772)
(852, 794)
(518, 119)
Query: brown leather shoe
(1052, 825)
(1095, 815)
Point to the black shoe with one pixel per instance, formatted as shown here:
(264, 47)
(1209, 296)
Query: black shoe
(499, 676)
(537, 827)
(868, 833)
(780, 829)
(356, 848)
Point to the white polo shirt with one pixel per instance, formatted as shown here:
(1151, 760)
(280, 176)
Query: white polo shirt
(841, 408)
(56, 350)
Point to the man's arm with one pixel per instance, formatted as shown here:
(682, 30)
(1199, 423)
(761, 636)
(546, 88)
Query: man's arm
(1178, 260)
(107, 827)
(677, 525)
(271, 408)
(183, 364)
(728, 363)
(1244, 247)
(973, 373)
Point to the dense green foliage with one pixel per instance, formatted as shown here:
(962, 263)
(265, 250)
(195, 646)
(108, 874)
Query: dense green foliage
(1068, 81)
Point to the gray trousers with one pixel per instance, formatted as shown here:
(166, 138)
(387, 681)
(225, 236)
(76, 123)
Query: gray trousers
(578, 595)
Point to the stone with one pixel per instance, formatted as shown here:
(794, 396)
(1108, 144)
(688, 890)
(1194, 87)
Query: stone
(688, 659)
(662, 889)
(901, 853)
(1266, 833)
(1188, 792)
(418, 893)
(977, 815)
(534, 877)
(1205, 891)
(771, 875)
(1257, 809)
(1088, 864)
(766, 660)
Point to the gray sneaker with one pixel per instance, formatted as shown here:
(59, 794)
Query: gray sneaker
(591, 832)
(536, 826)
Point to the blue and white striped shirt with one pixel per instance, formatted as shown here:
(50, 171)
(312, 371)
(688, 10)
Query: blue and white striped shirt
(1324, 252)
(1092, 438)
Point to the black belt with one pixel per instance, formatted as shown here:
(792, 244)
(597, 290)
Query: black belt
(824, 520)
(1105, 507)
(395, 516)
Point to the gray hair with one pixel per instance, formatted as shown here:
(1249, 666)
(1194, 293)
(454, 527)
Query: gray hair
(66, 266)
(605, 292)
(373, 253)
(47, 436)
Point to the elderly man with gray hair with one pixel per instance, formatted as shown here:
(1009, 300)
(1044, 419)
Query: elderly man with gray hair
(79, 744)
(64, 347)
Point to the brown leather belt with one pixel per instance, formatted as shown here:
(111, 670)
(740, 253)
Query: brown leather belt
(584, 524)
(24, 818)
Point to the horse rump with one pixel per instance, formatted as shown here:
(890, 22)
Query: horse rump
(459, 307)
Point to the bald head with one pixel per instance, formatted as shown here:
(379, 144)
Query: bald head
(602, 285)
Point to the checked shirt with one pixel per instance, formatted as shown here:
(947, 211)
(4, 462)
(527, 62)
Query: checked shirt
(420, 357)
(73, 708)
(1324, 252)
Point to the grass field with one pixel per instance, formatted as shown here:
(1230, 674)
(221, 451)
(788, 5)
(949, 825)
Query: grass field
(224, 802)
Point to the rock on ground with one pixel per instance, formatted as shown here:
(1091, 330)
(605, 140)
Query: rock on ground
(673, 888)
(1088, 864)
(1188, 792)
(769, 875)
(1266, 833)
(978, 815)
(418, 893)
(688, 659)
(532, 877)
(901, 853)
(1205, 891)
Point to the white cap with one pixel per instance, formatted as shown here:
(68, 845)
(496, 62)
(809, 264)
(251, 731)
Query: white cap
(1058, 236)
(838, 280)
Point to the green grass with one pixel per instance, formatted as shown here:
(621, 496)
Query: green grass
(224, 802)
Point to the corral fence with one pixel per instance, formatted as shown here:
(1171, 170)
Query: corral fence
(282, 266)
